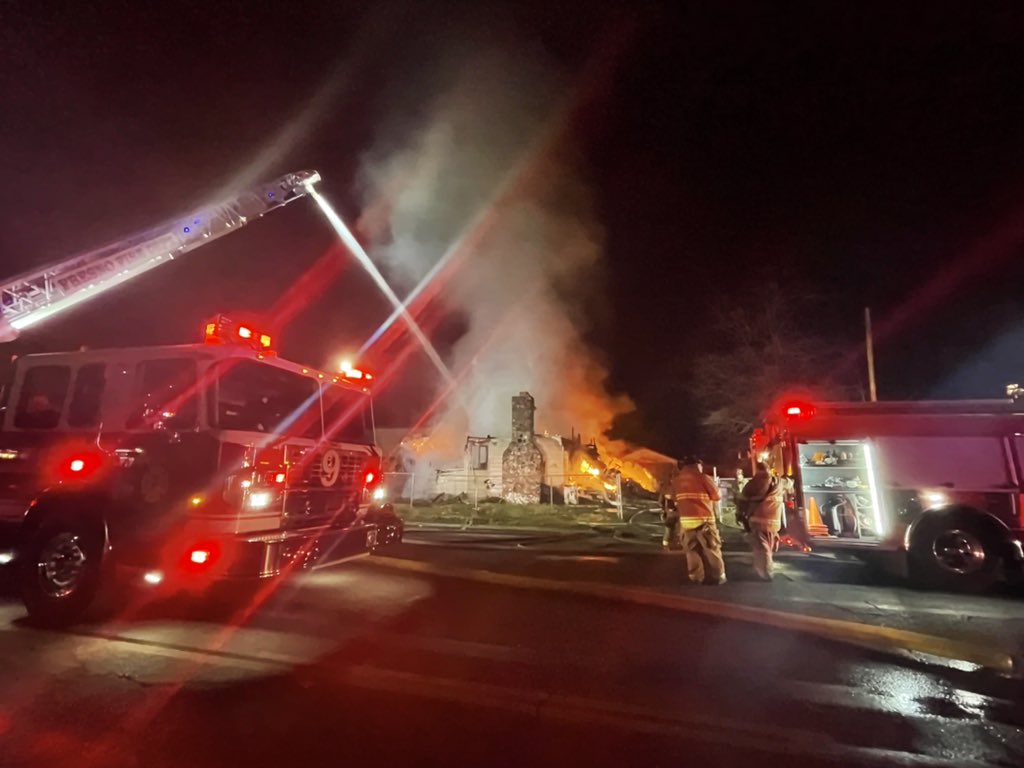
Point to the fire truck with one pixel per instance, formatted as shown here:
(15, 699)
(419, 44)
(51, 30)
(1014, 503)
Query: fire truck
(177, 467)
(932, 489)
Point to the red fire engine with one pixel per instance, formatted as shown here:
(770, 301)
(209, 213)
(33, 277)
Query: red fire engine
(933, 487)
(183, 465)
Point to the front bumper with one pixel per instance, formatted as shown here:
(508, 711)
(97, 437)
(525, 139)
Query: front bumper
(303, 550)
(248, 557)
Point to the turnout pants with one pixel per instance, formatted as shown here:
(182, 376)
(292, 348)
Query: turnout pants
(703, 548)
(764, 540)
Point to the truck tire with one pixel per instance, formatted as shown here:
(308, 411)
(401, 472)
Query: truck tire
(60, 571)
(955, 552)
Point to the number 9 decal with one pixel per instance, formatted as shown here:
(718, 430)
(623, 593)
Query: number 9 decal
(330, 467)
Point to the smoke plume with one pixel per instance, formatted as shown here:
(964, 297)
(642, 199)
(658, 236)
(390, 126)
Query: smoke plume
(487, 164)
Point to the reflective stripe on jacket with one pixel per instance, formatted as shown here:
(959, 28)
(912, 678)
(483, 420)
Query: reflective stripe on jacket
(695, 496)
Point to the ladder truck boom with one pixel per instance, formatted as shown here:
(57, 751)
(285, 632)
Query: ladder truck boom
(32, 297)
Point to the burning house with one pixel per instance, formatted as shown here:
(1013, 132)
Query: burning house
(523, 468)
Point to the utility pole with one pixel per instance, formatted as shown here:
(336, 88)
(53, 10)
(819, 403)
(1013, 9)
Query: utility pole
(870, 348)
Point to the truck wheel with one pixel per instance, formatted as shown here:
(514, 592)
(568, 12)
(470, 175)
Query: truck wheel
(954, 553)
(60, 572)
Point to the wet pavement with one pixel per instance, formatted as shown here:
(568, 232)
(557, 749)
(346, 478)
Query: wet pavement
(814, 585)
(362, 663)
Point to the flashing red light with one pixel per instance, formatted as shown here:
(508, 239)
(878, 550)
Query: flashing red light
(80, 465)
(370, 477)
(798, 410)
(279, 477)
(353, 373)
(200, 556)
(244, 332)
(369, 376)
(211, 331)
(265, 341)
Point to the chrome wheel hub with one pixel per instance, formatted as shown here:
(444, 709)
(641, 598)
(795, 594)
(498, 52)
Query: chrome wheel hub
(61, 564)
(959, 551)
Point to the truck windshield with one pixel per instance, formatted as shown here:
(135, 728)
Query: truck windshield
(256, 397)
(346, 416)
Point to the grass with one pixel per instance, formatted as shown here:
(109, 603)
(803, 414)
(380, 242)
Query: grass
(508, 515)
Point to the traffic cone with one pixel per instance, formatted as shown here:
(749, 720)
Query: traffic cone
(815, 526)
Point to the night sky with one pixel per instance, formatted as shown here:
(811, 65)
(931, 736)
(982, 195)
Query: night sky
(859, 154)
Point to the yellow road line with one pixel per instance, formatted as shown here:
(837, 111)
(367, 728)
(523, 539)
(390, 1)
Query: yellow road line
(865, 635)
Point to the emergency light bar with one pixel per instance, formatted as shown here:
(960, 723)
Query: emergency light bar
(355, 373)
(221, 330)
(797, 410)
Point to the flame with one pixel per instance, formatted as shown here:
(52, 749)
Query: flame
(628, 469)
(599, 461)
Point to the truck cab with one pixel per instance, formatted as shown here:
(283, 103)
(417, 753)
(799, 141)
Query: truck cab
(932, 488)
(179, 466)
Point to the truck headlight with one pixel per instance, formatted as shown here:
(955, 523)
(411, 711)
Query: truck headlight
(260, 500)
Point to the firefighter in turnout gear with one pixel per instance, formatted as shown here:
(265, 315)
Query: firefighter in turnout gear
(765, 495)
(695, 495)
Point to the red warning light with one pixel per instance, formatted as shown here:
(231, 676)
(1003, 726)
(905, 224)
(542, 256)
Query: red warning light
(370, 477)
(80, 465)
(200, 556)
(279, 478)
(221, 330)
(796, 410)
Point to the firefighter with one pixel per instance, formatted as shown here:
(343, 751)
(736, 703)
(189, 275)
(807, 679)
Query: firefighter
(765, 495)
(695, 494)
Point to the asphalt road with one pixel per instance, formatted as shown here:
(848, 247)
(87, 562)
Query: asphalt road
(366, 664)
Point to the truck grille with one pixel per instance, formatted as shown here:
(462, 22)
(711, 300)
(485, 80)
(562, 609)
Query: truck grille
(307, 470)
(308, 501)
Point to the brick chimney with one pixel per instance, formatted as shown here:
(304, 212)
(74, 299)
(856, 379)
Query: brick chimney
(522, 463)
(522, 416)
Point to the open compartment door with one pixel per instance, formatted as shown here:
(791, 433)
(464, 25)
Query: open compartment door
(839, 489)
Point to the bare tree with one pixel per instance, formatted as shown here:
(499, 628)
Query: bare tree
(762, 353)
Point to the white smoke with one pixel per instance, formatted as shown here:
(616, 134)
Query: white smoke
(483, 153)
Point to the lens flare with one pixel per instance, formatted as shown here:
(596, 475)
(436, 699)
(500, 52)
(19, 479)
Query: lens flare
(361, 256)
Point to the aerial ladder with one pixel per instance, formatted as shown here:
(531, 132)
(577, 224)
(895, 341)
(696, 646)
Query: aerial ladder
(40, 294)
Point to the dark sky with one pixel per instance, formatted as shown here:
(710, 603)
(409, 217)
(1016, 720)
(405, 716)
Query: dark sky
(860, 153)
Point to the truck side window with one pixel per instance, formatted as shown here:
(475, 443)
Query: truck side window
(87, 395)
(43, 391)
(166, 392)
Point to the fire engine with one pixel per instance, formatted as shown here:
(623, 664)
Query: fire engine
(183, 465)
(933, 489)
(177, 466)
